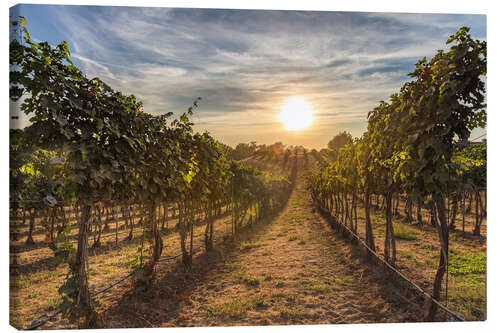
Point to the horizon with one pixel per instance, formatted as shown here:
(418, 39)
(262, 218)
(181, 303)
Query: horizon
(246, 64)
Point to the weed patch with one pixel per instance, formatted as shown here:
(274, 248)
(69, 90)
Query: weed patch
(403, 233)
(344, 281)
(247, 280)
(469, 295)
(467, 263)
(261, 302)
(293, 313)
(250, 245)
(237, 307)
(233, 309)
(428, 246)
(232, 266)
(319, 288)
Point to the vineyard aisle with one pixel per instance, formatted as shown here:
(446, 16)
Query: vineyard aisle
(293, 270)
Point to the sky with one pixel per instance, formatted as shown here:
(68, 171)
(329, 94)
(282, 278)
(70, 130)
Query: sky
(245, 64)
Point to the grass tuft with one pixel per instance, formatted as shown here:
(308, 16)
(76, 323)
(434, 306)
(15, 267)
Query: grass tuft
(247, 280)
(293, 313)
(237, 307)
(344, 281)
(403, 233)
(261, 302)
(319, 288)
(233, 309)
(250, 245)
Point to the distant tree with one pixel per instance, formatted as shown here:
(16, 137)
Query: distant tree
(243, 150)
(276, 150)
(340, 140)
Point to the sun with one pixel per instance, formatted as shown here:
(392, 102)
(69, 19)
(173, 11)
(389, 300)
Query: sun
(296, 115)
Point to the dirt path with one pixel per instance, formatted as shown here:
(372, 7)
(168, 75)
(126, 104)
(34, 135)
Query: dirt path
(293, 270)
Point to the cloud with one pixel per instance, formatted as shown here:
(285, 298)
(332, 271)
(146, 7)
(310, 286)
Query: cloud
(94, 68)
(246, 63)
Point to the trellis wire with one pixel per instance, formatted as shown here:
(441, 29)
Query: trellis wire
(40, 322)
(393, 269)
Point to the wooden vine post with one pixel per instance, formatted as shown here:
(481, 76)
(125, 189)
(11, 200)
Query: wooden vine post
(84, 302)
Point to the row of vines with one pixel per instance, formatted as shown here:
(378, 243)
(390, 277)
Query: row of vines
(90, 149)
(415, 147)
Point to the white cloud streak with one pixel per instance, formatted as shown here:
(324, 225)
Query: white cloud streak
(244, 64)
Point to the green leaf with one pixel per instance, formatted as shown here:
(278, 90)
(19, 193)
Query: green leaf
(27, 35)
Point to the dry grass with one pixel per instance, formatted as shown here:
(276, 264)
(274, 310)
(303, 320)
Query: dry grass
(107, 265)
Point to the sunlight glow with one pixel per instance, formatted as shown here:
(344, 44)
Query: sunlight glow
(296, 115)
